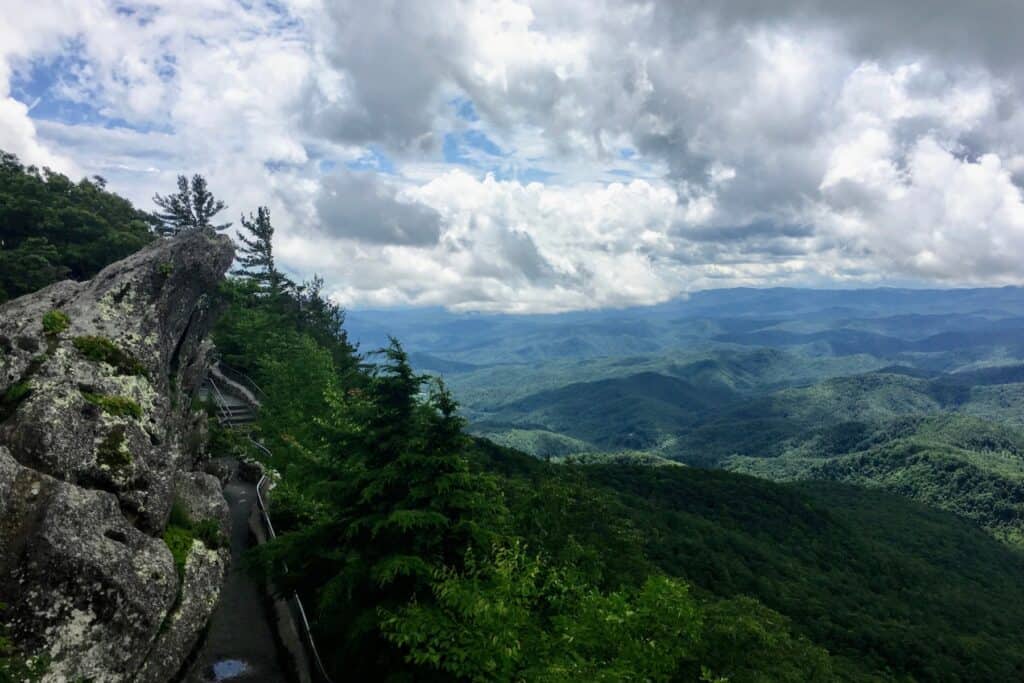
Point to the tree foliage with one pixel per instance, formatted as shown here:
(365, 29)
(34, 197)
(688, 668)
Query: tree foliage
(256, 255)
(52, 228)
(192, 207)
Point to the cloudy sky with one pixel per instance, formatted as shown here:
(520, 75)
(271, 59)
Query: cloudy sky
(543, 155)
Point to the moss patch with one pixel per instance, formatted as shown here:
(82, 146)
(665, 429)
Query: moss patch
(114, 405)
(13, 397)
(182, 530)
(206, 530)
(55, 322)
(113, 452)
(17, 392)
(179, 541)
(102, 350)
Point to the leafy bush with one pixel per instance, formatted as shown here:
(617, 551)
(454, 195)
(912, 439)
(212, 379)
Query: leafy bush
(513, 616)
(55, 322)
(120, 406)
(102, 350)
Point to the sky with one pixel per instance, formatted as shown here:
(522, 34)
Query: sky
(551, 155)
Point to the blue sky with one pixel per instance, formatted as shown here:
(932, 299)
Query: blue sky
(543, 155)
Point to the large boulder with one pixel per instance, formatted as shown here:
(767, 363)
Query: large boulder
(97, 439)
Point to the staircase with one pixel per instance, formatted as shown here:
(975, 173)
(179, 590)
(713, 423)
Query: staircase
(236, 404)
(235, 413)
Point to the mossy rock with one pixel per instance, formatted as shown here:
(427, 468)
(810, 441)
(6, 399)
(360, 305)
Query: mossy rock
(102, 350)
(113, 452)
(120, 406)
(182, 531)
(55, 322)
(206, 530)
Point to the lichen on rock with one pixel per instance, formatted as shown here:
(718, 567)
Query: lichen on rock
(97, 440)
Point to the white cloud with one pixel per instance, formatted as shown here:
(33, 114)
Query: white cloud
(693, 144)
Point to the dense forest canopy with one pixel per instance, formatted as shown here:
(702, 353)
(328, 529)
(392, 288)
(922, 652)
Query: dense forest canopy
(53, 228)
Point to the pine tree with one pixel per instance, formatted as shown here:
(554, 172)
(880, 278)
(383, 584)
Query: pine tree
(390, 502)
(192, 207)
(257, 253)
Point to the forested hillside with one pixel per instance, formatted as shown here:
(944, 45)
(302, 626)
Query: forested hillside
(428, 553)
(413, 541)
(52, 228)
(915, 391)
(434, 555)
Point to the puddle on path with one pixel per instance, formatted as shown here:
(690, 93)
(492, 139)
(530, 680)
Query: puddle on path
(226, 670)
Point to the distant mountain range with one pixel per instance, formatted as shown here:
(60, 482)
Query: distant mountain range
(917, 391)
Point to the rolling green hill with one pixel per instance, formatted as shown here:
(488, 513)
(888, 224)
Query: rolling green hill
(966, 465)
(635, 411)
(890, 587)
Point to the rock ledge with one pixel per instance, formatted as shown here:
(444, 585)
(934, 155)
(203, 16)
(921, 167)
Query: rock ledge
(97, 440)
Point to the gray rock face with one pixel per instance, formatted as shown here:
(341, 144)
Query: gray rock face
(97, 440)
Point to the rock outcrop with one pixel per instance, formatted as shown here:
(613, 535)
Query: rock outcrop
(98, 440)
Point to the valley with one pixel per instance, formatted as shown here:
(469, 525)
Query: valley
(919, 392)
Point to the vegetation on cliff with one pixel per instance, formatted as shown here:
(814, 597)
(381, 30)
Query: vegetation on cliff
(53, 228)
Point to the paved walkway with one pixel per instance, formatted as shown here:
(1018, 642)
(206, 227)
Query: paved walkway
(240, 645)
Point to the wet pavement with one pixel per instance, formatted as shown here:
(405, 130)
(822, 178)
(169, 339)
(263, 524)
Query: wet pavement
(240, 645)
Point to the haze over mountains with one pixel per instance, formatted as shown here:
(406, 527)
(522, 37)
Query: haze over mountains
(897, 388)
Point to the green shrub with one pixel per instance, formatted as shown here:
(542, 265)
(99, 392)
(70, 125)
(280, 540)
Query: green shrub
(114, 405)
(55, 322)
(102, 350)
(165, 268)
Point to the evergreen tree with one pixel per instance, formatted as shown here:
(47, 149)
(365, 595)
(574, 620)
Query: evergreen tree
(192, 207)
(257, 254)
(324, 320)
(389, 502)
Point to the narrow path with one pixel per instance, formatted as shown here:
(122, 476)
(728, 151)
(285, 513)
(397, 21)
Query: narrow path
(240, 645)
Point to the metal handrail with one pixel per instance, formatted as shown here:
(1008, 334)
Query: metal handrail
(308, 631)
(222, 411)
(240, 377)
(265, 516)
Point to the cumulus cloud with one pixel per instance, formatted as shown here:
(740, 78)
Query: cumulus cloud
(678, 144)
(363, 207)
